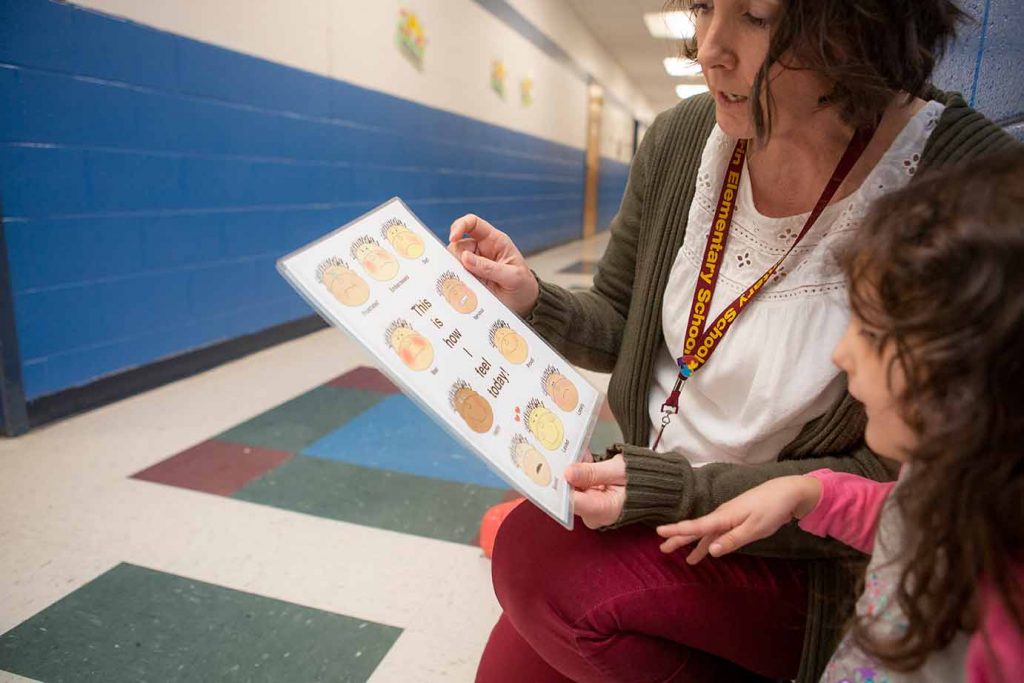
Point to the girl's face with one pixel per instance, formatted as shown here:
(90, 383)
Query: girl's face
(732, 44)
(872, 383)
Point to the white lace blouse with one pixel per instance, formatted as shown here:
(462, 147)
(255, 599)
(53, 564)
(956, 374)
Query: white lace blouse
(773, 372)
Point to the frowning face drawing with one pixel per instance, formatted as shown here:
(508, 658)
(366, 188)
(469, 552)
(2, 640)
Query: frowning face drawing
(560, 389)
(412, 347)
(341, 281)
(508, 342)
(456, 292)
(407, 243)
(378, 263)
(544, 425)
(531, 461)
(471, 407)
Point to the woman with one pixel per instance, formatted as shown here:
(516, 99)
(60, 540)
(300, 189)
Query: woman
(807, 82)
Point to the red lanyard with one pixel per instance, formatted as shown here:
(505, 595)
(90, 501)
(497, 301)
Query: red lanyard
(702, 339)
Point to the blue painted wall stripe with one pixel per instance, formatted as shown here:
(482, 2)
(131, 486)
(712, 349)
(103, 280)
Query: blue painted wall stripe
(981, 53)
(150, 181)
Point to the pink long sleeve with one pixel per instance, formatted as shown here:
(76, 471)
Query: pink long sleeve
(996, 651)
(848, 510)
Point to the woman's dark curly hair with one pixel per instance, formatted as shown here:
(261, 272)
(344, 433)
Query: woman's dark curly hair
(938, 269)
(870, 50)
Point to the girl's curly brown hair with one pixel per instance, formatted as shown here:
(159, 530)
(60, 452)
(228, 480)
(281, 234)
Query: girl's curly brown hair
(870, 50)
(938, 268)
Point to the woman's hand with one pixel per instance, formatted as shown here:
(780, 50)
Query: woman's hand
(490, 255)
(753, 515)
(599, 490)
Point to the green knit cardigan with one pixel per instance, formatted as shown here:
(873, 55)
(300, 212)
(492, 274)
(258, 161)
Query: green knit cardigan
(616, 327)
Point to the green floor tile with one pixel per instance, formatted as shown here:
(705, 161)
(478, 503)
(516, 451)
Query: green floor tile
(383, 499)
(294, 425)
(136, 624)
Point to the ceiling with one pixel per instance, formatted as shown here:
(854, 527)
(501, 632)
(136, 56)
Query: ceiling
(619, 26)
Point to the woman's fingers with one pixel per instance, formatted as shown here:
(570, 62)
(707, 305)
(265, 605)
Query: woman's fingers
(675, 543)
(586, 475)
(471, 226)
(701, 550)
(596, 507)
(505, 276)
(713, 523)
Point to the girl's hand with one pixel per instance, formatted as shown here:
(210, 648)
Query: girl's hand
(599, 490)
(490, 255)
(753, 515)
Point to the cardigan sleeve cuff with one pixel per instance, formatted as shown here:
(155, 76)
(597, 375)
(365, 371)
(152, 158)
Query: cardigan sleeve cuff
(655, 486)
(552, 313)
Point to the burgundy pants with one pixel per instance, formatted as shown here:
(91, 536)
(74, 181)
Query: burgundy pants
(609, 606)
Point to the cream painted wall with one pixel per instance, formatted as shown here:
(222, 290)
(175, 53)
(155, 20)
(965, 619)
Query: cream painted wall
(354, 41)
(560, 23)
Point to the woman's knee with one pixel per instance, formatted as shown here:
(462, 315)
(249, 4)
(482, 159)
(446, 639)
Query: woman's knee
(519, 569)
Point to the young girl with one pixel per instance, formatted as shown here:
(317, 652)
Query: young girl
(935, 352)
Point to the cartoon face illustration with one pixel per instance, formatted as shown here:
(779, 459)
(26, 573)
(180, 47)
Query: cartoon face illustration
(374, 258)
(544, 425)
(509, 343)
(560, 389)
(341, 281)
(412, 347)
(531, 461)
(407, 243)
(472, 407)
(456, 293)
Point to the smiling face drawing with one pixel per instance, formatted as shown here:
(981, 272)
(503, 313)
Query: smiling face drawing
(544, 425)
(560, 389)
(458, 295)
(379, 264)
(407, 243)
(411, 346)
(347, 287)
(509, 343)
(531, 461)
(471, 407)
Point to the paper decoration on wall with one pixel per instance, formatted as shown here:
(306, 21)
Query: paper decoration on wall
(410, 37)
(526, 91)
(498, 77)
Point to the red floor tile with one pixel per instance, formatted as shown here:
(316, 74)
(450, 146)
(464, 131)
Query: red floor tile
(368, 379)
(214, 467)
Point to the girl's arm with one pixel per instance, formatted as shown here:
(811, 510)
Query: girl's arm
(843, 506)
(848, 509)
(996, 651)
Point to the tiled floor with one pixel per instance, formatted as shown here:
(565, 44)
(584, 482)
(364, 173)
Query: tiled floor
(325, 553)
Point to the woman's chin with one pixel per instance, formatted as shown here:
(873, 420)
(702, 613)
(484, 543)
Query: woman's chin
(735, 126)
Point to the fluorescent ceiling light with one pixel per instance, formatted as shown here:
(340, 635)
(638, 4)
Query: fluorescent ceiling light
(679, 66)
(677, 25)
(684, 90)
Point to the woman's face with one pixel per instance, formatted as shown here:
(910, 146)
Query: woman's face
(732, 44)
(871, 383)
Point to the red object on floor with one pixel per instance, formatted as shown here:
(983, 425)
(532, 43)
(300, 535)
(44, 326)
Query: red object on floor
(492, 520)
